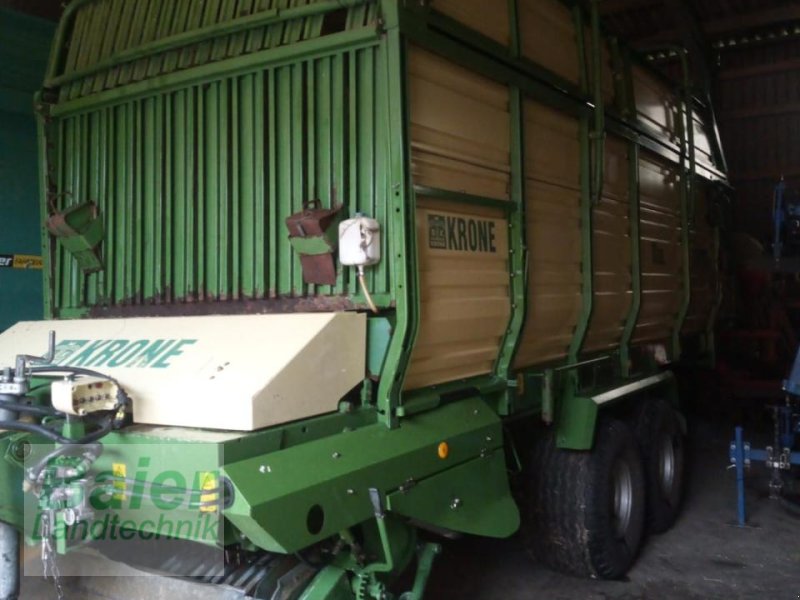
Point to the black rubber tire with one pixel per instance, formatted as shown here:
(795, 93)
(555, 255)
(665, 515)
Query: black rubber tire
(657, 427)
(568, 522)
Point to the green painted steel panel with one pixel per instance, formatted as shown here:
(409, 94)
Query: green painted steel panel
(195, 181)
(23, 54)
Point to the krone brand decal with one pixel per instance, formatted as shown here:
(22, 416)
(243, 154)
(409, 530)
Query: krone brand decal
(137, 354)
(461, 234)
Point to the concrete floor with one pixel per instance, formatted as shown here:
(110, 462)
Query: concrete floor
(703, 557)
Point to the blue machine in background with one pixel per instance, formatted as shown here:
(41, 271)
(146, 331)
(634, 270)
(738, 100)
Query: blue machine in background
(785, 222)
(782, 455)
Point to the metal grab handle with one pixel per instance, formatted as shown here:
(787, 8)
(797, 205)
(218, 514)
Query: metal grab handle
(23, 359)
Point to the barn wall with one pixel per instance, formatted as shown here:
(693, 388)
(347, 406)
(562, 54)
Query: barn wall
(759, 111)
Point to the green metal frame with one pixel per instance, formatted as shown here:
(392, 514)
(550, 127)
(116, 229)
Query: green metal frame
(366, 446)
(636, 262)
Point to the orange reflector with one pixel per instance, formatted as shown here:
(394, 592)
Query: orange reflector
(444, 450)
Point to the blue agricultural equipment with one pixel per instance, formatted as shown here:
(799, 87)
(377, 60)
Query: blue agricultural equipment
(781, 456)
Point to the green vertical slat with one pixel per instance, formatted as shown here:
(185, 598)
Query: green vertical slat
(209, 18)
(238, 41)
(70, 64)
(221, 46)
(196, 9)
(338, 126)
(83, 57)
(382, 166)
(353, 151)
(110, 193)
(96, 184)
(200, 267)
(274, 177)
(365, 114)
(293, 30)
(122, 174)
(167, 200)
(120, 41)
(67, 190)
(99, 29)
(235, 199)
(148, 33)
(223, 240)
(283, 88)
(194, 188)
(260, 172)
(298, 191)
(321, 173)
(147, 177)
(158, 166)
(180, 196)
(78, 42)
(164, 18)
(311, 131)
(78, 195)
(255, 37)
(180, 14)
(112, 31)
(138, 221)
(322, 128)
(245, 263)
(138, 17)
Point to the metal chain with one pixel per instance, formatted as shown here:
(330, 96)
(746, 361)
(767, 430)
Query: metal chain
(49, 564)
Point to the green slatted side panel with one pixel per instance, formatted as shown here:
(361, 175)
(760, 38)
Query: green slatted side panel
(104, 29)
(195, 185)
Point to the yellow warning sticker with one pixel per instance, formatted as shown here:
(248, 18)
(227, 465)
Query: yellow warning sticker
(119, 470)
(208, 502)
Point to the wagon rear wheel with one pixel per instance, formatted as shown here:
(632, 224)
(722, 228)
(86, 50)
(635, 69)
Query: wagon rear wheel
(664, 449)
(586, 510)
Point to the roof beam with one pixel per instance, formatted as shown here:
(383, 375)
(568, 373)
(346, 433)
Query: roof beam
(608, 7)
(726, 26)
(752, 20)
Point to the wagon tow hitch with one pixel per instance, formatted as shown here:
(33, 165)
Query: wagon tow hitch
(61, 482)
(367, 585)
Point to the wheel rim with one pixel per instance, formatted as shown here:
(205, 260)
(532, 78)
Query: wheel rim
(666, 464)
(622, 507)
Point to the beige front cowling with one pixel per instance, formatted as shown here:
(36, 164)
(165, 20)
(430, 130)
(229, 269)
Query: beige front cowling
(221, 372)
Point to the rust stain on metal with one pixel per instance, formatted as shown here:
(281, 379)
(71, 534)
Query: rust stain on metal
(189, 307)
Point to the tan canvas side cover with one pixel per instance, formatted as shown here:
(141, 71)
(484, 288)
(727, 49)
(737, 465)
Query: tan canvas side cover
(224, 372)
(549, 37)
(460, 128)
(489, 18)
(613, 282)
(464, 289)
(553, 223)
(656, 104)
(662, 275)
(704, 265)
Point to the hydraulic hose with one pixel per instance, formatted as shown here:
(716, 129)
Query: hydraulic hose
(90, 453)
(363, 282)
(21, 407)
(104, 429)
